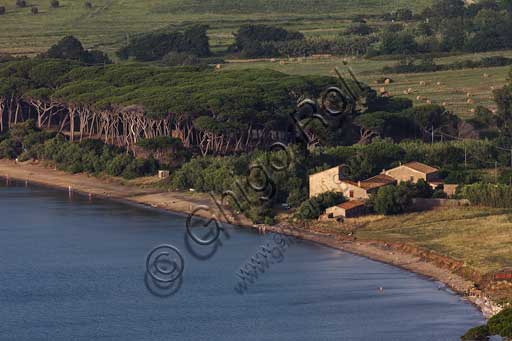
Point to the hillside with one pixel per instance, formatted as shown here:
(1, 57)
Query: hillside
(109, 23)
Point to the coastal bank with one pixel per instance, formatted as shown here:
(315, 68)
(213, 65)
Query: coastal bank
(186, 203)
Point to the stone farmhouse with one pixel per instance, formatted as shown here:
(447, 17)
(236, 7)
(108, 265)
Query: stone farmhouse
(414, 171)
(358, 191)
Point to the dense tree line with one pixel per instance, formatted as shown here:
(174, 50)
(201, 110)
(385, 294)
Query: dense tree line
(24, 141)
(450, 25)
(211, 113)
(486, 194)
(258, 40)
(192, 41)
(411, 65)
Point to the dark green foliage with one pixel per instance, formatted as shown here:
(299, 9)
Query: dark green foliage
(24, 141)
(67, 48)
(384, 124)
(256, 40)
(391, 200)
(460, 175)
(55, 4)
(422, 189)
(390, 104)
(71, 48)
(180, 59)
(340, 45)
(21, 3)
(404, 14)
(424, 29)
(398, 43)
(492, 195)
(480, 333)
(2, 10)
(161, 142)
(448, 8)
(314, 207)
(359, 29)
(427, 65)
(501, 323)
(88, 5)
(34, 10)
(156, 45)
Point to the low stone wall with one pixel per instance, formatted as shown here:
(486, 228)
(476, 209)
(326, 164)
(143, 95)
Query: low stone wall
(426, 204)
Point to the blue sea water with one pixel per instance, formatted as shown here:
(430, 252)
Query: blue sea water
(74, 269)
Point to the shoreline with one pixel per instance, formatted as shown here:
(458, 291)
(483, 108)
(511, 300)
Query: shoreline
(181, 203)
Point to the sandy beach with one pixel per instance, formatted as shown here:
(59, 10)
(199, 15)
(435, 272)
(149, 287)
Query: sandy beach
(185, 203)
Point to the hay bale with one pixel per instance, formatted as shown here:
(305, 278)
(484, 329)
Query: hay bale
(470, 101)
(429, 101)
(418, 98)
(406, 92)
(486, 75)
(472, 111)
(409, 90)
(444, 104)
(387, 81)
(493, 88)
(272, 60)
(282, 62)
(494, 111)
(422, 83)
(218, 66)
(468, 94)
(439, 83)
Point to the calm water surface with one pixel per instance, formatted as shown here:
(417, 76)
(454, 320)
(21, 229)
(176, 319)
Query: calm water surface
(73, 269)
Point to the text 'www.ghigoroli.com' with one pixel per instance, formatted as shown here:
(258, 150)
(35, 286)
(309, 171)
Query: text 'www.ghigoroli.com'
(165, 264)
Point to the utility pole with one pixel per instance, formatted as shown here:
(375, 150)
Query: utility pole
(432, 134)
(465, 156)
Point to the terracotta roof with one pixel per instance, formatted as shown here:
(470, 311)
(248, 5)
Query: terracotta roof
(377, 181)
(348, 205)
(421, 167)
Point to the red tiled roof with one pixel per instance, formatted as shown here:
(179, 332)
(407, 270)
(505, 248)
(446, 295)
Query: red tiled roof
(421, 167)
(374, 182)
(348, 205)
(377, 181)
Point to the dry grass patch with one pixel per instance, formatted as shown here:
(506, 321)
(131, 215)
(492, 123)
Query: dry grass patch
(480, 237)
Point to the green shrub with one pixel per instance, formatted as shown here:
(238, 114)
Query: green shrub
(180, 58)
(118, 164)
(501, 323)
(480, 333)
(315, 207)
(492, 195)
(391, 200)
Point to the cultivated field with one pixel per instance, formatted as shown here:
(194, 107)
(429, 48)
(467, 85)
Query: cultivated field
(452, 91)
(109, 23)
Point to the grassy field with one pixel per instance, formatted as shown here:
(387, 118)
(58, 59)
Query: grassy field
(110, 22)
(452, 91)
(479, 236)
